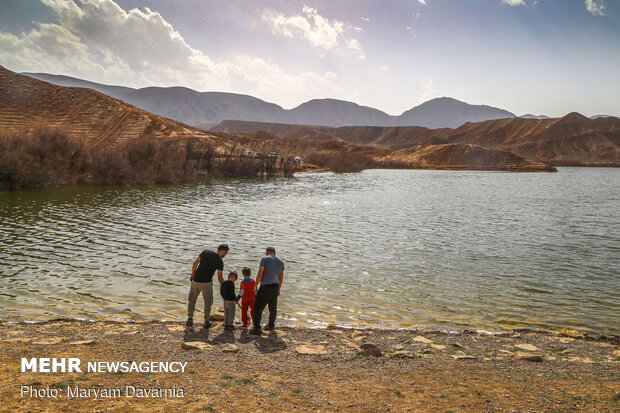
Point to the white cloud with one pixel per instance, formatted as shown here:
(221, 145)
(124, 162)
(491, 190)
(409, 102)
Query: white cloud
(596, 8)
(318, 30)
(98, 40)
(422, 2)
(356, 48)
(514, 2)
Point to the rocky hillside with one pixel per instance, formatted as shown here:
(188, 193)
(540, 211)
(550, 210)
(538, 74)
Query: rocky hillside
(570, 140)
(93, 117)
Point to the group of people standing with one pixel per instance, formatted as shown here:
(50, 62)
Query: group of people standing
(253, 298)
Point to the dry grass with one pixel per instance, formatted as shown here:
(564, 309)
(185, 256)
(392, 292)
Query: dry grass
(49, 157)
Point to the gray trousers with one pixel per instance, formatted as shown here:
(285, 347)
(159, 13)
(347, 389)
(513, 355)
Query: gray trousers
(229, 312)
(207, 295)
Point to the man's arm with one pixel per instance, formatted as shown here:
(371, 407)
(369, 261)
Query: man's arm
(259, 277)
(220, 277)
(191, 278)
(281, 278)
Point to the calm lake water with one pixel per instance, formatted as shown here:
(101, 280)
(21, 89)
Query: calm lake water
(411, 248)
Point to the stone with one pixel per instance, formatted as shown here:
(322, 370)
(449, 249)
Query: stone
(368, 345)
(348, 342)
(357, 333)
(359, 338)
(565, 340)
(583, 360)
(399, 347)
(463, 357)
(230, 348)
(520, 355)
(528, 347)
(195, 345)
(616, 353)
(438, 346)
(18, 340)
(422, 340)
(217, 316)
(48, 341)
(81, 342)
(311, 349)
(572, 333)
(373, 351)
(403, 355)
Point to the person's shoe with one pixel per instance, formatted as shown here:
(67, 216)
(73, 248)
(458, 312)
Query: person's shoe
(270, 327)
(229, 328)
(189, 322)
(208, 325)
(256, 331)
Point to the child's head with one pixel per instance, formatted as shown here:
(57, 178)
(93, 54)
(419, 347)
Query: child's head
(232, 276)
(246, 272)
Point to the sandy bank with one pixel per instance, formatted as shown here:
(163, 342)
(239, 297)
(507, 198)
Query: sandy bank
(298, 369)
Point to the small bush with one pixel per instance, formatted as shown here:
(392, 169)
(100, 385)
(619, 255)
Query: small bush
(50, 157)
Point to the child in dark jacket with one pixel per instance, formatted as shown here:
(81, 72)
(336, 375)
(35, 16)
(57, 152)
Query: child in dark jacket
(227, 290)
(246, 295)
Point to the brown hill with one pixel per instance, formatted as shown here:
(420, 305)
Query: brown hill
(93, 117)
(571, 140)
(450, 156)
(465, 156)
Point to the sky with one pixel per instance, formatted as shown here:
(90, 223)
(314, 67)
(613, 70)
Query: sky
(547, 57)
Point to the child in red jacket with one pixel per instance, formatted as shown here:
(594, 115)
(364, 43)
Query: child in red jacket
(246, 295)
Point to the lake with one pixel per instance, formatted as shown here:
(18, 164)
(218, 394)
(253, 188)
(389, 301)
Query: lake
(447, 249)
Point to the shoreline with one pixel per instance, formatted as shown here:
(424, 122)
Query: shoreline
(300, 369)
(379, 325)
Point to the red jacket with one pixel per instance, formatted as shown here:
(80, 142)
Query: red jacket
(246, 290)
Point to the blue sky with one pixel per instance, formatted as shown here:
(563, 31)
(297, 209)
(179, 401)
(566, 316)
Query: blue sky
(527, 56)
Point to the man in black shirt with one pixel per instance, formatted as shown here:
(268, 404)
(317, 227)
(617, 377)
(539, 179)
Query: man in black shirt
(202, 281)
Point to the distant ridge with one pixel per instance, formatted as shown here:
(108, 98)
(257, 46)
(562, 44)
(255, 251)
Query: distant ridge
(449, 113)
(205, 109)
(530, 116)
(571, 140)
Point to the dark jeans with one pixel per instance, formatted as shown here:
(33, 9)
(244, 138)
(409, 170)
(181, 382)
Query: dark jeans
(266, 294)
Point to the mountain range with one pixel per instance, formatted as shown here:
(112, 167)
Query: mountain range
(206, 109)
(101, 121)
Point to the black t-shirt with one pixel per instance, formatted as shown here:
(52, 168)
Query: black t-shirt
(209, 262)
(227, 289)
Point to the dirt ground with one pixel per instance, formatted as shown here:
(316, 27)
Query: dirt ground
(347, 370)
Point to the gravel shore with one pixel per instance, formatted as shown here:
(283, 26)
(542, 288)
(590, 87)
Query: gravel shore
(300, 369)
